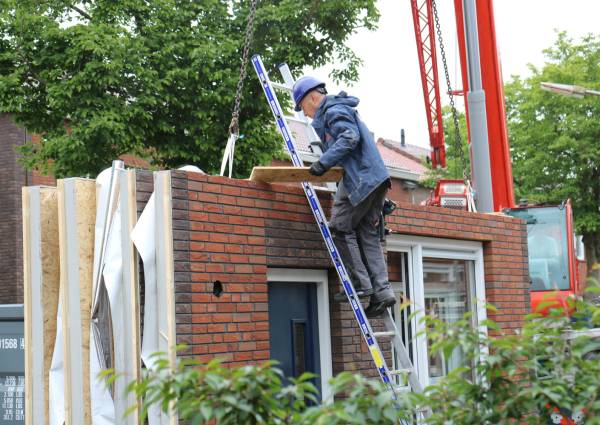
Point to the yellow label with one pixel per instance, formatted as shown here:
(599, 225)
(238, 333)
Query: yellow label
(376, 356)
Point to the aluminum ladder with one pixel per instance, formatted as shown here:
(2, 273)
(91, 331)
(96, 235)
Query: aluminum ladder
(370, 337)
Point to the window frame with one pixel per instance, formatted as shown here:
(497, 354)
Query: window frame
(418, 248)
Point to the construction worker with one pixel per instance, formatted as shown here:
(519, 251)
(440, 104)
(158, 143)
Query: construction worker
(359, 200)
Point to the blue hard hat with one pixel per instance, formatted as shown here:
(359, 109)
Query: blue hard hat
(302, 87)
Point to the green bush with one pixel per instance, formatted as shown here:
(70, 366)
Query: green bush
(251, 395)
(508, 378)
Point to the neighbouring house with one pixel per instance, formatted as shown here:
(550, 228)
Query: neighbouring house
(13, 177)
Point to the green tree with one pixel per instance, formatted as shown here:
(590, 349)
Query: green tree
(99, 78)
(555, 140)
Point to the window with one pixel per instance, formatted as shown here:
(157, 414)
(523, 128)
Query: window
(547, 243)
(440, 277)
(446, 289)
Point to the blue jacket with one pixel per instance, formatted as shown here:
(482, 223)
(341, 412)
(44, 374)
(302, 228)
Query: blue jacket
(349, 143)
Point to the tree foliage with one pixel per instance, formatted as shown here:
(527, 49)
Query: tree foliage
(555, 140)
(99, 78)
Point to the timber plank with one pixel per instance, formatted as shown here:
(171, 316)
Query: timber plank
(294, 175)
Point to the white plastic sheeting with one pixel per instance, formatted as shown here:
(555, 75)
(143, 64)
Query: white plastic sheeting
(57, 376)
(144, 239)
(152, 237)
(103, 410)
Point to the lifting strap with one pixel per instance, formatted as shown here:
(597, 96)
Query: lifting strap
(234, 127)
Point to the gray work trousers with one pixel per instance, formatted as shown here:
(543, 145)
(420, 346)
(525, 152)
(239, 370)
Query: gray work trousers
(355, 233)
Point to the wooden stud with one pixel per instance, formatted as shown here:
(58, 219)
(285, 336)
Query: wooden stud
(131, 305)
(41, 293)
(165, 276)
(77, 216)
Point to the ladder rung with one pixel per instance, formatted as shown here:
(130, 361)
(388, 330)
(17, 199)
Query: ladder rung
(294, 119)
(386, 333)
(400, 372)
(402, 389)
(281, 86)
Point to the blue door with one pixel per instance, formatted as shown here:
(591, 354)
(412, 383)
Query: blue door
(294, 328)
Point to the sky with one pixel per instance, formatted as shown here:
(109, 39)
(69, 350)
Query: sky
(389, 85)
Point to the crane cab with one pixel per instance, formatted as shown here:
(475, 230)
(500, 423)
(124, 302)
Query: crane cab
(551, 246)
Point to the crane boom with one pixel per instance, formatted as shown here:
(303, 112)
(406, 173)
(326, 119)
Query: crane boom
(491, 74)
(426, 51)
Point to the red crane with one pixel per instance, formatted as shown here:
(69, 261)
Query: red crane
(426, 51)
(552, 262)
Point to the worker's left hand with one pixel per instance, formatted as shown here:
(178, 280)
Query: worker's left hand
(317, 169)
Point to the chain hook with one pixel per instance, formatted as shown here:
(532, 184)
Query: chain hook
(457, 137)
(234, 125)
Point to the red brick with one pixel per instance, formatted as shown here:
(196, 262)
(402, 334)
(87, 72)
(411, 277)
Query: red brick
(229, 237)
(216, 327)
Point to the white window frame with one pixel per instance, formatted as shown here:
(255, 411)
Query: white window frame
(418, 248)
(320, 278)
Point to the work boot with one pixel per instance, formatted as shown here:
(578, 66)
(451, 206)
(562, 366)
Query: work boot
(362, 293)
(380, 301)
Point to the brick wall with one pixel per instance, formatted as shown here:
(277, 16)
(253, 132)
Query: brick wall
(237, 229)
(12, 177)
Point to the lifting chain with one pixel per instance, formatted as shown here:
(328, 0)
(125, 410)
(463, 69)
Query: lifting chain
(234, 126)
(457, 138)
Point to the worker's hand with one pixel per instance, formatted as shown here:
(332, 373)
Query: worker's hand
(317, 169)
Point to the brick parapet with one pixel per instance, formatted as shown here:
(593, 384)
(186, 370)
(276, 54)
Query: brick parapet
(239, 228)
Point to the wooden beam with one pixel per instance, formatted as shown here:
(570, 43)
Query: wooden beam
(77, 217)
(165, 275)
(294, 175)
(41, 294)
(130, 370)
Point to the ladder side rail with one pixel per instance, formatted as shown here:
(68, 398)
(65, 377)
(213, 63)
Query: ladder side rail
(402, 352)
(317, 210)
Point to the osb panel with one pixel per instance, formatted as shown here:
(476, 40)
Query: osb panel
(50, 277)
(85, 216)
(294, 175)
(85, 204)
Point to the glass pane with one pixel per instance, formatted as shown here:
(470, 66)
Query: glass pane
(398, 272)
(446, 284)
(547, 244)
(299, 329)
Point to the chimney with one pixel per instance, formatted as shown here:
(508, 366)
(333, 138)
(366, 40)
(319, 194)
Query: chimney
(402, 138)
